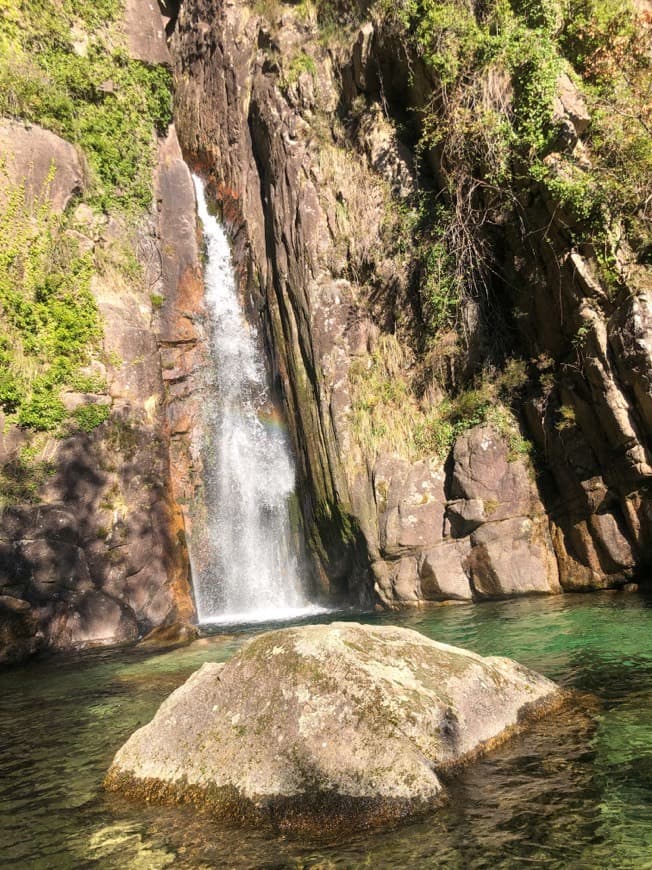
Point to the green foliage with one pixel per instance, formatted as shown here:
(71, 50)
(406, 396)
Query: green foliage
(512, 379)
(452, 417)
(610, 45)
(43, 410)
(387, 414)
(94, 12)
(302, 63)
(85, 383)
(89, 417)
(459, 50)
(488, 129)
(438, 430)
(157, 300)
(441, 283)
(62, 66)
(567, 418)
(574, 189)
(101, 100)
(535, 66)
(384, 410)
(448, 37)
(49, 321)
(490, 114)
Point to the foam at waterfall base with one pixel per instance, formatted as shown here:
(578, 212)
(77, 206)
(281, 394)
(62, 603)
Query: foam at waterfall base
(266, 615)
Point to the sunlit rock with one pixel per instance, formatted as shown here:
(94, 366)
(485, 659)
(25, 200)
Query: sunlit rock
(322, 727)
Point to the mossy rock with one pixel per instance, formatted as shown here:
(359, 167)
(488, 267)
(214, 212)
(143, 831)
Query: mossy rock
(323, 727)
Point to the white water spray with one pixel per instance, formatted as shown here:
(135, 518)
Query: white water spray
(252, 571)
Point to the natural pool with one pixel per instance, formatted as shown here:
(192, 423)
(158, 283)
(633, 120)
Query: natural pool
(569, 794)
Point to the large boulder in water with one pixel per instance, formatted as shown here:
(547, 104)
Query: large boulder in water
(320, 727)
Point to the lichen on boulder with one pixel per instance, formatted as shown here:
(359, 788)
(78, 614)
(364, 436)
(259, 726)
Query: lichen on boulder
(327, 727)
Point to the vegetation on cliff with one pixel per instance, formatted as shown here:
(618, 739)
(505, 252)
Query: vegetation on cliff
(490, 124)
(502, 104)
(64, 66)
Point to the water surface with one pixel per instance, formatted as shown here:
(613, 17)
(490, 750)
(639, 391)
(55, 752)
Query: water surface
(576, 791)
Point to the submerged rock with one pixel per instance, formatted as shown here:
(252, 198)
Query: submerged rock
(171, 636)
(322, 727)
(19, 635)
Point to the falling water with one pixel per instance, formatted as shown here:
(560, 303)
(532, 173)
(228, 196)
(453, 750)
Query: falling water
(252, 570)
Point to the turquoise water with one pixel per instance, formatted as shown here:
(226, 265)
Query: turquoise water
(576, 791)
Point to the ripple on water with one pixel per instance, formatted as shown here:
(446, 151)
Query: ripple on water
(575, 791)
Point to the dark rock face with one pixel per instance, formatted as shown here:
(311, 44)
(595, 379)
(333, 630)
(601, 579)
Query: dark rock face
(111, 566)
(277, 736)
(19, 635)
(297, 143)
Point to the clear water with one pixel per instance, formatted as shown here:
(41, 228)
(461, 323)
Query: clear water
(248, 568)
(576, 791)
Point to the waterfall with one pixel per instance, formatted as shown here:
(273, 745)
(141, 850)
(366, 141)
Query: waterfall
(251, 570)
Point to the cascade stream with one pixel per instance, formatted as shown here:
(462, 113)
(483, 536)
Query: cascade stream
(252, 568)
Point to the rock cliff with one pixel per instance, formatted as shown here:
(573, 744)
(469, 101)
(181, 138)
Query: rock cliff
(468, 395)
(96, 460)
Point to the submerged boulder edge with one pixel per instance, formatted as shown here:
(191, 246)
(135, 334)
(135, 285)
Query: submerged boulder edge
(323, 727)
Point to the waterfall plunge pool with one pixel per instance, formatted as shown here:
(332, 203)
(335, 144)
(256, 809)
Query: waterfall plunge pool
(563, 795)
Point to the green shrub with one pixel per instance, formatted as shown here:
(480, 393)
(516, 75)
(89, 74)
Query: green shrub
(84, 383)
(301, 63)
(42, 411)
(487, 127)
(610, 45)
(89, 417)
(48, 317)
(22, 478)
(103, 101)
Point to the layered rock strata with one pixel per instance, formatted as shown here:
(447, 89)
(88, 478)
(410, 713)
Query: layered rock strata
(303, 139)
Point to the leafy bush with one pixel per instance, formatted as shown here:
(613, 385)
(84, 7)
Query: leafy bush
(89, 417)
(22, 478)
(101, 100)
(48, 317)
(609, 43)
(42, 411)
(92, 94)
(488, 127)
(156, 300)
(387, 414)
(301, 63)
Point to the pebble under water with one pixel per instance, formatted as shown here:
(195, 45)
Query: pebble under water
(575, 791)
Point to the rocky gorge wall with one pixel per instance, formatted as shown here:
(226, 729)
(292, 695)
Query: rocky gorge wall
(302, 121)
(470, 419)
(92, 527)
